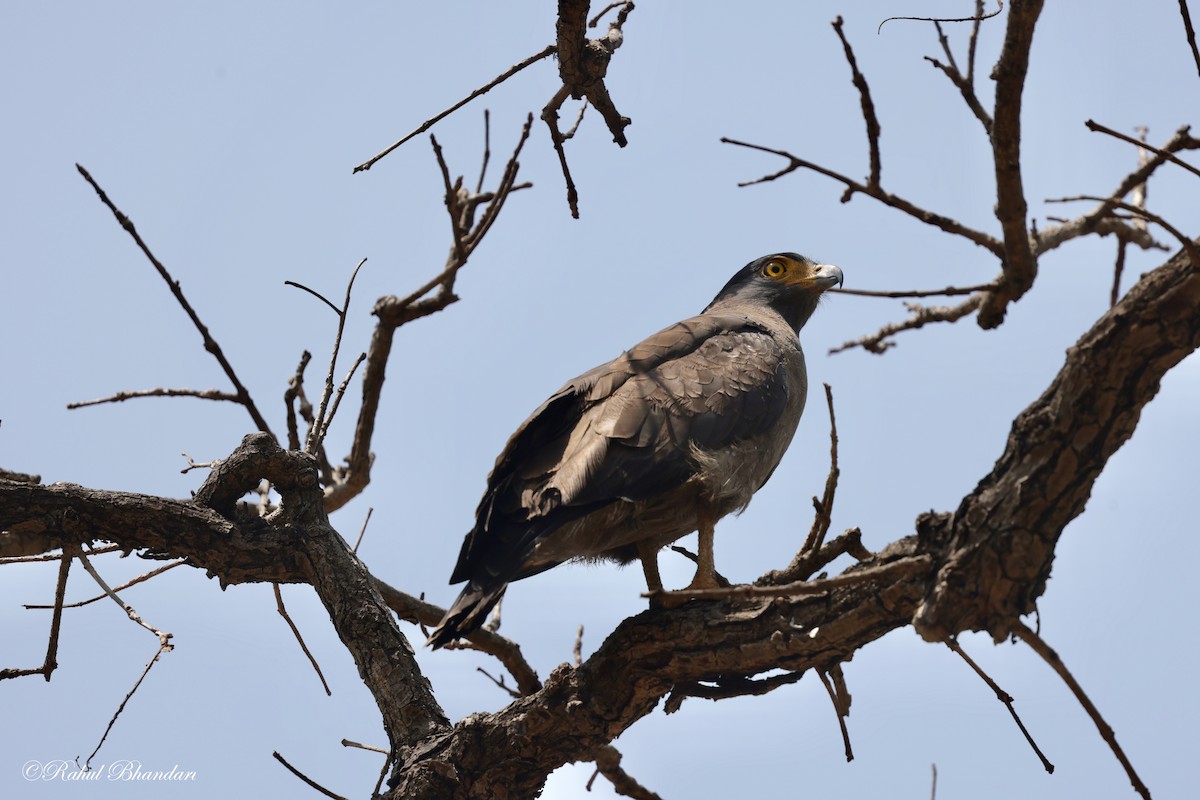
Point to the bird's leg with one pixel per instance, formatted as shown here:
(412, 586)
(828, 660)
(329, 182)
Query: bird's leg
(648, 553)
(706, 573)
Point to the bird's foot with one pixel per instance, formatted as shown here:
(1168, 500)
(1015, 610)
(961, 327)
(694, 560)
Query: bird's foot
(703, 580)
(660, 598)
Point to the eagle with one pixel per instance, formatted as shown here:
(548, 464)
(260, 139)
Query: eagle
(669, 437)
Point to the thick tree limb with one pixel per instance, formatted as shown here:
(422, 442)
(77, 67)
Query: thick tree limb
(980, 569)
(1002, 537)
(295, 543)
(995, 554)
(580, 709)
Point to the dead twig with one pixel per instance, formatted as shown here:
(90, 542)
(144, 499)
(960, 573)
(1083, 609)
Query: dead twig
(964, 83)
(433, 296)
(976, 19)
(210, 344)
(50, 663)
(139, 579)
(1096, 220)
(282, 609)
(1005, 698)
(608, 763)
(949, 291)
(868, 107)
(1190, 32)
(295, 391)
(340, 393)
(203, 394)
(194, 464)
(513, 693)
(305, 778)
(360, 746)
(879, 342)
(315, 294)
(824, 506)
(582, 66)
(940, 221)
(1092, 125)
(1118, 267)
(841, 702)
(1052, 658)
(506, 651)
(805, 564)
(164, 646)
(429, 123)
(557, 138)
(316, 434)
(108, 548)
(363, 530)
(1185, 241)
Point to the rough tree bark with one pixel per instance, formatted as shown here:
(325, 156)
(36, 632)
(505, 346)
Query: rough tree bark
(979, 568)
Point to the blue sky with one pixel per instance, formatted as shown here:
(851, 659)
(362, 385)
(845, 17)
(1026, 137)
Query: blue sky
(228, 131)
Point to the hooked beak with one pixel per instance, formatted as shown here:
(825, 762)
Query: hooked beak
(827, 276)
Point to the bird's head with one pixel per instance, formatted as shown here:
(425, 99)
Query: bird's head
(788, 283)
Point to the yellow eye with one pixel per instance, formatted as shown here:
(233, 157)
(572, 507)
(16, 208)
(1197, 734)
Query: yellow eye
(773, 269)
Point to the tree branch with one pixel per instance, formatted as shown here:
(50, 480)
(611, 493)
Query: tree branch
(1019, 261)
(210, 344)
(1001, 540)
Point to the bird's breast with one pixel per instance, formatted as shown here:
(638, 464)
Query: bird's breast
(732, 474)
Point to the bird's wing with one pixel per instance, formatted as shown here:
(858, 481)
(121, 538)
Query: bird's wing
(625, 431)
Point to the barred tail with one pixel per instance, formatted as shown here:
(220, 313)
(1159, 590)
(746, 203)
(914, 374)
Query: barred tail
(468, 613)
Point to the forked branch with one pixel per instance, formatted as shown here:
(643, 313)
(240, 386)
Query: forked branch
(210, 344)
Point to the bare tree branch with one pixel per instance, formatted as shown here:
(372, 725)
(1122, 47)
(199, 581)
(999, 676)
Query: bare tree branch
(506, 651)
(879, 342)
(949, 291)
(964, 83)
(1190, 31)
(305, 778)
(1018, 261)
(841, 705)
(1188, 245)
(210, 344)
(1106, 732)
(154, 573)
(1004, 697)
(582, 66)
(868, 107)
(1000, 542)
(50, 663)
(429, 123)
(608, 764)
(1092, 125)
(977, 570)
(1095, 220)
(203, 394)
(392, 312)
(900, 204)
(979, 16)
(282, 609)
